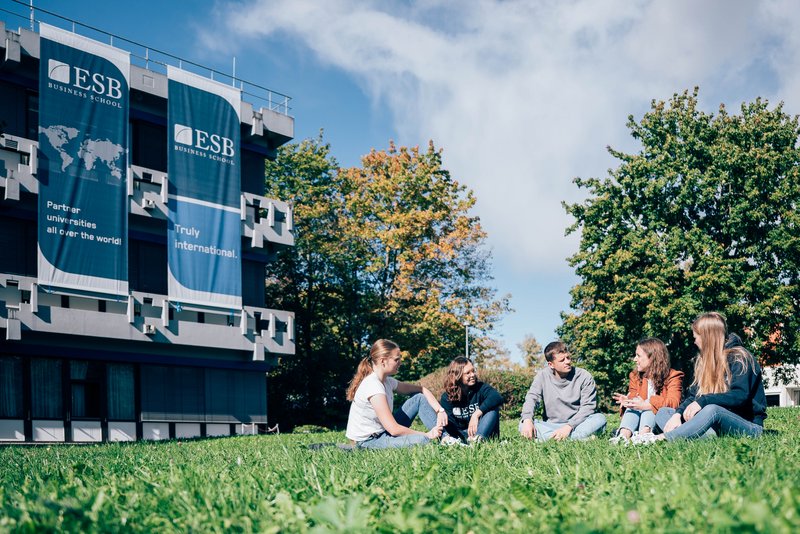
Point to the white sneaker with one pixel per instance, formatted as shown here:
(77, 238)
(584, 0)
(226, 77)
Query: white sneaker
(477, 438)
(647, 438)
(449, 441)
(619, 439)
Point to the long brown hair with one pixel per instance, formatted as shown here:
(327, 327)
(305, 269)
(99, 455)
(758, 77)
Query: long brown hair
(712, 372)
(658, 370)
(452, 380)
(381, 349)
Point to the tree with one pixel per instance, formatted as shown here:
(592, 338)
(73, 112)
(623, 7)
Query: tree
(492, 355)
(704, 217)
(420, 255)
(531, 351)
(388, 249)
(314, 280)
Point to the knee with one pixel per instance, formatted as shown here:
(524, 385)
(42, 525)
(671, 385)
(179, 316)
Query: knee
(664, 411)
(600, 419)
(418, 400)
(491, 415)
(712, 410)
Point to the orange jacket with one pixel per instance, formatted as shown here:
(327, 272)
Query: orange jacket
(669, 396)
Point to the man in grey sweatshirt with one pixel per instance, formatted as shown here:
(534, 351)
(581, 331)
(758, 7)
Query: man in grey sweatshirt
(569, 400)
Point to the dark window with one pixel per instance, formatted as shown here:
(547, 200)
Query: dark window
(12, 109)
(219, 386)
(253, 172)
(10, 386)
(149, 145)
(147, 272)
(172, 393)
(253, 275)
(773, 400)
(235, 396)
(46, 397)
(86, 389)
(119, 377)
(18, 243)
(32, 115)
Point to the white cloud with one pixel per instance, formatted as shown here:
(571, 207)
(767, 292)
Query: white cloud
(523, 96)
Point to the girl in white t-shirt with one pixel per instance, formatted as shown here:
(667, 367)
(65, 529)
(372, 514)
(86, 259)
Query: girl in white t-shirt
(372, 423)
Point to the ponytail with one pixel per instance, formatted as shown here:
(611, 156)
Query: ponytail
(381, 349)
(363, 371)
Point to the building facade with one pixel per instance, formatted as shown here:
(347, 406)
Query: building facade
(159, 353)
(782, 385)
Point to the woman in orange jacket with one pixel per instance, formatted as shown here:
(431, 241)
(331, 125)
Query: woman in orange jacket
(652, 385)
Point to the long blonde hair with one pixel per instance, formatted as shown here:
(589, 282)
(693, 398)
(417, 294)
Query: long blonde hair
(381, 349)
(712, 371)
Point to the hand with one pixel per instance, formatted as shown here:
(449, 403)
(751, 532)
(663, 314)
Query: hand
(619, 398)
(441, 418)
(528, 429)
(562, 433)
(435, 432)
(673, 423)
(472, 428)
(637, 403)
(691, 411)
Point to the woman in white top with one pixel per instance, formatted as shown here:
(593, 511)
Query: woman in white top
(371, 423)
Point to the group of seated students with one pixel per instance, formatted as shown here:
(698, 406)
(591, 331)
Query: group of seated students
(726, 397)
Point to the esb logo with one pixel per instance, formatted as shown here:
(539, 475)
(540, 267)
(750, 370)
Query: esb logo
(95, 82)
(196, 138)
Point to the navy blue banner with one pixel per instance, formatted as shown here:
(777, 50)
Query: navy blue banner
(83, 163)
(204, 227)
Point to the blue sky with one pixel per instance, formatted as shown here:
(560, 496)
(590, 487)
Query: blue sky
(521, 95)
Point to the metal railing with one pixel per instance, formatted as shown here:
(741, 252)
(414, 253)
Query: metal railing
(157, 60)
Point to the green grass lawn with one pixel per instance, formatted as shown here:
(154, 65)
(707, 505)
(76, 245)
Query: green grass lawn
(276, 484)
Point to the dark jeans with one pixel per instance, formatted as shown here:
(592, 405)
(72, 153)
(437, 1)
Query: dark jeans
(488, 427)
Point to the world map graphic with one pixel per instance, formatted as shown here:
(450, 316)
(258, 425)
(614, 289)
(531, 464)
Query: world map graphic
(90, 151)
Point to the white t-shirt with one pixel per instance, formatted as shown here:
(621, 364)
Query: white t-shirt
(363, 421)
(651, 389)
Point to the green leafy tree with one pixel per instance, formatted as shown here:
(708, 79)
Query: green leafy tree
(532, 351)
(387, 249)
(315, 281)
(704, 217)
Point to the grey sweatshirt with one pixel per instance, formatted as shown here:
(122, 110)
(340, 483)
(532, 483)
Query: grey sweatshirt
(567, 400)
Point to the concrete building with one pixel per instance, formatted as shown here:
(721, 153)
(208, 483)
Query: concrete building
(782, 385)
(80, 366)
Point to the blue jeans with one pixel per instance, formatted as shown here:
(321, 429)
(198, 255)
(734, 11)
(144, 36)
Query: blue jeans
(662, 416)
(593, 424)
(710, 418)
(488, 427)
(635, 420)
(413, 407)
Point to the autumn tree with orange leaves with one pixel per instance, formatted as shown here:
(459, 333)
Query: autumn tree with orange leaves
(389, 249)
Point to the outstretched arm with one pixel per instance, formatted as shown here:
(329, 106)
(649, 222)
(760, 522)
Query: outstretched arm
(532, 400)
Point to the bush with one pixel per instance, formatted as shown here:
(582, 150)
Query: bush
(512, 386)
